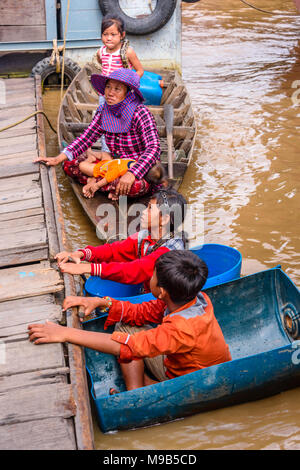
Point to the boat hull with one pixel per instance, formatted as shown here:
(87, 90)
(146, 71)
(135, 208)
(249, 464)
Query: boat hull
(265, 360)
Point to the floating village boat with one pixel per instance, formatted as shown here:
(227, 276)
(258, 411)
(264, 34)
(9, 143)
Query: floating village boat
(259, 317)
(76, 112)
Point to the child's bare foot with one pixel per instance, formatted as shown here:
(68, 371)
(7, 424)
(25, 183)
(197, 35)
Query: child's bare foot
(113, 196)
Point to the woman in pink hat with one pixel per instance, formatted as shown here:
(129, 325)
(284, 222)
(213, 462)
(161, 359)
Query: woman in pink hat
(130, 132)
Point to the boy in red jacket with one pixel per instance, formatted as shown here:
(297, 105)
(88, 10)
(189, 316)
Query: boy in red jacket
(187, 336)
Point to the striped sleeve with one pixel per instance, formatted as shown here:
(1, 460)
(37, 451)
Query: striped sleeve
(87, 139)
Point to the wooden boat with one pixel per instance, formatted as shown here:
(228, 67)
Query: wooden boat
(265, 359)
(76, 112)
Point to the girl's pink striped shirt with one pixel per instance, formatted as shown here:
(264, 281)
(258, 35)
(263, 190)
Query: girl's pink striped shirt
(110, 61)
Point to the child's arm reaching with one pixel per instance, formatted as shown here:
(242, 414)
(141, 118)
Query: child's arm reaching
(136, 64)
(53, 333)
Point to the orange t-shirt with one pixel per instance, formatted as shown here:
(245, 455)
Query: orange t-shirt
(112, 169)
(191, 340)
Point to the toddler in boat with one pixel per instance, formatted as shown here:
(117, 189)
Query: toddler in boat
(186, 336)
(109, 169)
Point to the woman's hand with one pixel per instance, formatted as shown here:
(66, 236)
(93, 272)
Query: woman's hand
(64, 256)
(72, 268)
(125, 183)
(48, 332)
(52, 161)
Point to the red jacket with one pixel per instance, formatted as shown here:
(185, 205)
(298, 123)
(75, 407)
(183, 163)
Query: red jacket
(119, 261)
(190, 337)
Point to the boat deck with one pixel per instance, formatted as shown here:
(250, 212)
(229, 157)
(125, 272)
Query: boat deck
(43, 402)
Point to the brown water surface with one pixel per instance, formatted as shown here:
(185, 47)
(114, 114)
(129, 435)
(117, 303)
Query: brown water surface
(241, 68)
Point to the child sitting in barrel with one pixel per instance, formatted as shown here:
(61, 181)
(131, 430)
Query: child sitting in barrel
(187, 336)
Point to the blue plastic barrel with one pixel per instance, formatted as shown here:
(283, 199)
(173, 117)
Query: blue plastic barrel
(224, 264)
(150, 88)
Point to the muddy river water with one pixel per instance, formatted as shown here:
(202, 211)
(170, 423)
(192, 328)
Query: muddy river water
(242, 70)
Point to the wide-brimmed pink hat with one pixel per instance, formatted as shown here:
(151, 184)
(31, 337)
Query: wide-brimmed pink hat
(126, 76)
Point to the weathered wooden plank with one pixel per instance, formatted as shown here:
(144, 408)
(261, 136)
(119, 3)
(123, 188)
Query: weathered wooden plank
(18, 142)
(21, 205)
(32, 302)
(44, 434)
(24, 356)
(38, 377)
(18, 98)
(38, 402)
(22, 225)
(28, 281)
(12, 115)
(15, 321)
(19, 241)
(15, 257)
(49, 214)
(24, 181)
(22, 169)
(8, 160)
(16, 132)
(22, 12)
(21, 214)
(12, 84)
(25, 143)
(21, 194)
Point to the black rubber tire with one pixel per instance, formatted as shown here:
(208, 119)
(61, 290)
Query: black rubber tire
(139, 26)
(45, 69)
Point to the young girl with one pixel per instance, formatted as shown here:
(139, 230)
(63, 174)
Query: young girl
(131, 261)
(115, 53)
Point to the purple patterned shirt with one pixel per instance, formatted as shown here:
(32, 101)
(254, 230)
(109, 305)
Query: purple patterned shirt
(141, 142)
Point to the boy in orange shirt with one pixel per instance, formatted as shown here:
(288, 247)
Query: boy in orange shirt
(187, 336)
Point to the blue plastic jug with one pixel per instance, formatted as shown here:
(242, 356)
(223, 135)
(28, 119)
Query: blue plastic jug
(150, 88)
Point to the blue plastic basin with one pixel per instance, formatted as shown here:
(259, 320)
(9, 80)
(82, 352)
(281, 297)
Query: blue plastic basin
(224, 264)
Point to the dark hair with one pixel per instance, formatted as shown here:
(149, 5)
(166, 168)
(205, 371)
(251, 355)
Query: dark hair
(182, 274)
(109, 20)
(174, 204)
(156, 174)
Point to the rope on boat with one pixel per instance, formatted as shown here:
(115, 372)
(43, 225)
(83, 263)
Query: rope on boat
(25, 119)
(54, 59)
(265, 11)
